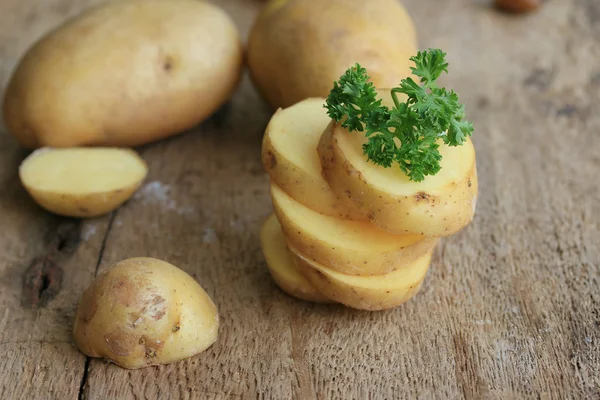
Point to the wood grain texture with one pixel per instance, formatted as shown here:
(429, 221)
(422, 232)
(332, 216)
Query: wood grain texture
(510, 309)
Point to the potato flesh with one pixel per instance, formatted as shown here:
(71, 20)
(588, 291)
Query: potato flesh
(439, 206)
(82, 170)
(366, 292)
(351, 247)
(282, 268)
(455, 165)
(297, 134)
(356, 235)
(144, 311)
(441, 211)
(290, 156)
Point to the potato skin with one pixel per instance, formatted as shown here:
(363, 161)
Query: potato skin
(124, 74)
(143, 311)
(360, 298)
(346, 260)
(298, 48)
(307, 189)
(281, 266)
(82, 206)
(432, 215)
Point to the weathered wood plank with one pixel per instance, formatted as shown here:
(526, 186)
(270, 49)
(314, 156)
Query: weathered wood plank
(45, 261)
(510, 309)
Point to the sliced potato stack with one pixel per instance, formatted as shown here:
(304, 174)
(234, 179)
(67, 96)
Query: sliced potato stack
(345, 230)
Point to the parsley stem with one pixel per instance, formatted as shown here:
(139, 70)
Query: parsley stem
(395, 97)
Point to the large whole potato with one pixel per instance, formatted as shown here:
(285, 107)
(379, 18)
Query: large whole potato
(298, 48)
(144, 311)
(125, 74)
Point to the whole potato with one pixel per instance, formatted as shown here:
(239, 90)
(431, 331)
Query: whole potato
(124, 74)
(298, 48)
(144, 311)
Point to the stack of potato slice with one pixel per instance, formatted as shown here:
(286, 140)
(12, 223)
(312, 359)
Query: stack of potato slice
(349, 231)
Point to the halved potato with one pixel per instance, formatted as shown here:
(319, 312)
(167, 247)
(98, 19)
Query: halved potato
(441, 205)
(349, 247)
(377, 292)
(82, 182)
(282, 268)
(290, 157)
(143, 311)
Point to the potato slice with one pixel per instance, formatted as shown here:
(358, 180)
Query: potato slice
(377, 292)
(290, 157)
(282, 268)
(144, 311)
(441, 205)
(82, 182)
(350, 247)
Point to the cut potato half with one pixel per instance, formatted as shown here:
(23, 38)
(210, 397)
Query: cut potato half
(143, 311)
(282, 267)
(441, 205)
(377, 292)
(82, 182)
(350, 247)
(290, 157)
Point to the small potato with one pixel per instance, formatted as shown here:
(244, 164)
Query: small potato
(376, 292)
(349, 247)
(82, 182)
(124, 74)
(282, 268)
(518, 6)
(439, 206)
(298, 48)
(290, 157)
(143, 311)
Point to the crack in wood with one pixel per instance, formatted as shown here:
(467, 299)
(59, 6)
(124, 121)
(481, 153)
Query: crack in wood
(84, 378)
(81, 394)
(41, 282)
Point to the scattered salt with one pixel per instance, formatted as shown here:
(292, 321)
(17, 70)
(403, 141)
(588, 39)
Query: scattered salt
(89, 231)
(210, 236)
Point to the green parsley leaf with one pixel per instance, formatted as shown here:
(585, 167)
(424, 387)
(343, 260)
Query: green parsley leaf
(408, 134)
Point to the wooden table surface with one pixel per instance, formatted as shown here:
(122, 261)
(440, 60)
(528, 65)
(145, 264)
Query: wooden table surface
(509, 310)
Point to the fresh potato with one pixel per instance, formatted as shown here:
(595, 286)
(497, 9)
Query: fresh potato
(439, 206)
(349, 247)
(377, 292)
(298, 48)
(82, 182)
(282, 268)
(124, 74)
(289, 154)
(142, 312)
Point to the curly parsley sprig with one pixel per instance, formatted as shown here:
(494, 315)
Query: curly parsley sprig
(409, 133)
